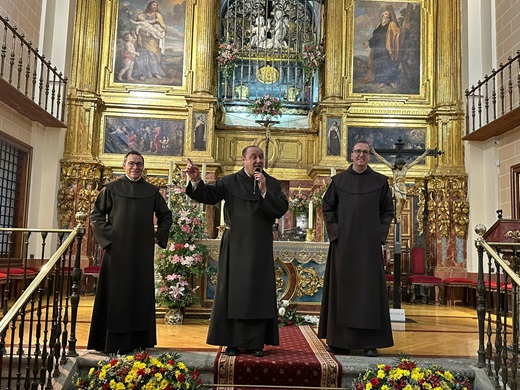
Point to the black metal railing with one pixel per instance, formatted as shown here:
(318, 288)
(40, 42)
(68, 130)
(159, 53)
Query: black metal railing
(24, 68)
(38, 331)
(498, 308)
(495, 96)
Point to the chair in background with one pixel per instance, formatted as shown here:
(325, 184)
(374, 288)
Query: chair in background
(385, 252)
(450, 285)
(419, 276)
(91, 273)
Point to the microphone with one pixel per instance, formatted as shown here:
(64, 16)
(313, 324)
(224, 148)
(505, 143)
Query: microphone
(257, 169)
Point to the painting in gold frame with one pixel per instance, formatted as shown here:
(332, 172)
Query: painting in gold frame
(150, 42)
(149, 136)
(386, 54)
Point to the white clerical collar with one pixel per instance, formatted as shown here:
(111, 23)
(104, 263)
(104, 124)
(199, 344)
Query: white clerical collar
(129, 178)
(360, 171)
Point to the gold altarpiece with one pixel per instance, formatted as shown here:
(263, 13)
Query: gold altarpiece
(297, 156)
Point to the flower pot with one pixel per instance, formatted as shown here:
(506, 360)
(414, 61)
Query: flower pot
(174, 316)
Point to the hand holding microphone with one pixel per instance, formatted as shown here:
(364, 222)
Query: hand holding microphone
(259, 180)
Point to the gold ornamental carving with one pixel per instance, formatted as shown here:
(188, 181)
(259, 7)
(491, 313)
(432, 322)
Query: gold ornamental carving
(79, 186)
(515, 235)
(308, 281)
(448, 205)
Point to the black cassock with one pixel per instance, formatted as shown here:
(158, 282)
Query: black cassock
(123, 318)
(358, 210)
(244, 312)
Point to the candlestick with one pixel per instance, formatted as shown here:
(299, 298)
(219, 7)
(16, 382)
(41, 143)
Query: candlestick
(311, 215)
(170, 173)
(203, 176)
(222, 203)
(332, 171)
(283, 224)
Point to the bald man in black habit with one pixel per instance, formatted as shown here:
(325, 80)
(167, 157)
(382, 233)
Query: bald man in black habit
(244, 314)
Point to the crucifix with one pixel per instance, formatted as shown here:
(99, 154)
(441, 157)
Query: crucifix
(400, 169)
(267, 122)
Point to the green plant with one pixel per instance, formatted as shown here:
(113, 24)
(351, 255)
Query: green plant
(299, 202)
(289, 316)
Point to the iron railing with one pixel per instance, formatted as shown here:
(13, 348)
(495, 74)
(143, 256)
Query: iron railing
(38, 332)
(24, 68)
(495, 96)
(498, 309)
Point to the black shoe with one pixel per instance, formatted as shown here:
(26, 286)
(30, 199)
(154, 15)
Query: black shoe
(232, 351)
(370, 352)
(338, 351)
(256, 352)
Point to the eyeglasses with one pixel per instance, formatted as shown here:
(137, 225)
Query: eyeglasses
(359, 151)
(135, 164)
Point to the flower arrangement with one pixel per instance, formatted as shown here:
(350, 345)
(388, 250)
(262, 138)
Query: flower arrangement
(141, 371)
(288, 316)
(312, 57)
(266, 106)
(183, 258)
(227, 56)
(317, 195)
(299, 202)
(408, 375)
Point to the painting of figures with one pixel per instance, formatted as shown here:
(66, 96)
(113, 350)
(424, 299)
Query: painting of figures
(150, 42)
(381, 138)
(148, 136)
(387, 47)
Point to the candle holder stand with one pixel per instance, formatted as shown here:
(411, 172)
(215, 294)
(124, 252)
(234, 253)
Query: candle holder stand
(220, 229)
(310, 235)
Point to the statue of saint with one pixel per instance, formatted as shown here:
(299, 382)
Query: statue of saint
(399, 169)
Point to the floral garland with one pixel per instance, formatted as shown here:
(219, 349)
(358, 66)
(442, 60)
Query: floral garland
(266, 106)
(288, 316)
(183, 257)
(408, 375)
(312, 57)
(227, 57)
(141, 371)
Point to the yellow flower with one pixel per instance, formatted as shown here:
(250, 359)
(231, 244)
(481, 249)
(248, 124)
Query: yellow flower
(91, 371)
(408, 387)
(182, 366)
(380, 374)
(368, 386)
(384, 387)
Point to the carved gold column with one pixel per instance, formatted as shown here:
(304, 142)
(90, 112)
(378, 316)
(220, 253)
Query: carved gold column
(83, 98)
(334, 36)
(205, 39)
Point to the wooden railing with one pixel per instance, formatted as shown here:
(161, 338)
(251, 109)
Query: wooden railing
(498, 309)
(38, 331)
(28, 72)
(495, 97)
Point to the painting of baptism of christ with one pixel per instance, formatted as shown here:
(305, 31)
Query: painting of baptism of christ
(150, 42)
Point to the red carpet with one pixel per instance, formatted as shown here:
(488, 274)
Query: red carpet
(300, 360)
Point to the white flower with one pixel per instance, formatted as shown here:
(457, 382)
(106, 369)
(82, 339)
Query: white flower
(281, 311)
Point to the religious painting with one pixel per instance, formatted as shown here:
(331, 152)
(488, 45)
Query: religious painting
(200, 120)
(333, 136)
(386, 47)
(150, 42)
(411, 140)
(149, 136)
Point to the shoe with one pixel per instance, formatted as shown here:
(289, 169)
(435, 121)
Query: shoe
(370, 352)
(338, 351)
(256, 352)
(232, 351)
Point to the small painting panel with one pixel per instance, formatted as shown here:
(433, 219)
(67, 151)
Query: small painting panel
(386, 138)
(200, 120)
(333, 136)
(150, 42)
(158, 137)
(387, 47)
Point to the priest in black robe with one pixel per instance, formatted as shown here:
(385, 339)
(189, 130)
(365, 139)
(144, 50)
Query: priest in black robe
(357, 209)
(123, 317)
(244, 314)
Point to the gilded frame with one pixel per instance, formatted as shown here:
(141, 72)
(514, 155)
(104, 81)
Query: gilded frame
(364, 17)
(175, 78)
(122, 131)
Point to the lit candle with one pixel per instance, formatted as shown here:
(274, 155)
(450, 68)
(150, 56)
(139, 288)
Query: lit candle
(170, 173)
(332, 171)
(283, 224)
(222, 203)
(203, 175)
(311, 215)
